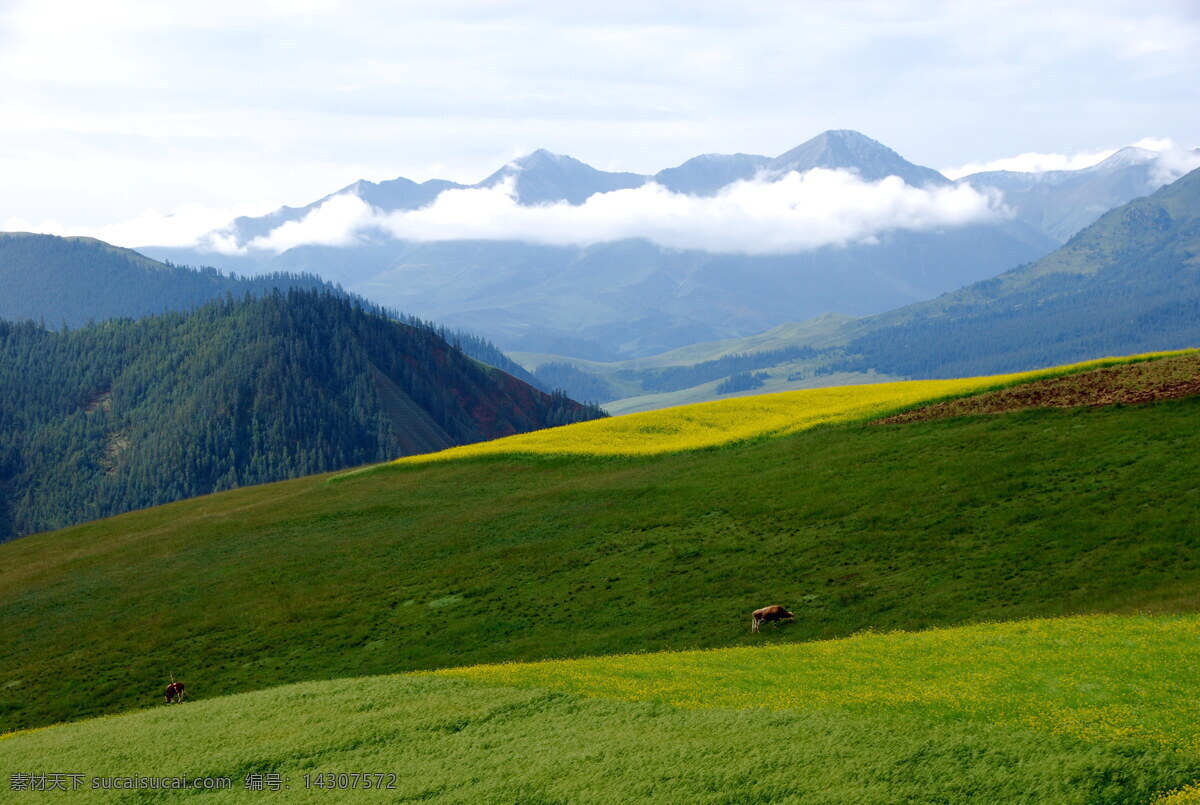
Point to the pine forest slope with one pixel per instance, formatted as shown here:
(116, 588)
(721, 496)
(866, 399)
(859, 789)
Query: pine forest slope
(127, 414)
(498, 558)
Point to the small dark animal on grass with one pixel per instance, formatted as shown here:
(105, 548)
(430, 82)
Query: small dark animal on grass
(771, 613)
(175, 693)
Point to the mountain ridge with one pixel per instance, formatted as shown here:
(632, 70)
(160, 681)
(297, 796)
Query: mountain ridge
(617, 299)
(1128, 283)
(543, 176)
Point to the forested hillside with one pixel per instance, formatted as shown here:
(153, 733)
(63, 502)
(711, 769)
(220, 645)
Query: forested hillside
(126, 414)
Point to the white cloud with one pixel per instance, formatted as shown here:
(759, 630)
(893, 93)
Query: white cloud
(795, 212)
(1155, 143)
(1175, 163)
(373, 90)
(1033, 162)
(336, 222)
(1172, 161)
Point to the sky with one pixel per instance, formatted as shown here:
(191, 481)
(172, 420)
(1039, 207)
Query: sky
(148, 122)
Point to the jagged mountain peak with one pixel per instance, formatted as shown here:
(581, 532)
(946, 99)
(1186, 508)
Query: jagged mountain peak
(847, 149)
(1129, 155)
(543, 157)
(545, 177)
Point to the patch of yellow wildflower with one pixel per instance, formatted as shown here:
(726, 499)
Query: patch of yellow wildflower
(1190, 795)
(1098, 678)
(711, 424)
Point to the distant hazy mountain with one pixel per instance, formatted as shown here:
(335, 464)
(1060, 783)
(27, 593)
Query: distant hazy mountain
(706, 174)
(1127, 283)
(834, 150)
(1060, 203)
(394, 194)
(630, 298)
(72, 280)
(543, 177)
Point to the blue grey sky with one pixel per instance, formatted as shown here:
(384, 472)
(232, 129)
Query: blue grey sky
(119, 113)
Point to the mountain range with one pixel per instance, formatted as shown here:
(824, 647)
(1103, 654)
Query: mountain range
(631, 298)
(1061, 202)
(1127, 283)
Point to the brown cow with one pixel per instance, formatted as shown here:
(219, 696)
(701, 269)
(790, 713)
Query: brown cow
(771, 613)
(175, 693)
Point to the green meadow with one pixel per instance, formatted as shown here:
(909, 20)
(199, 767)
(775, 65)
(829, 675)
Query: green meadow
(855, 527)
(983, 714)
(935, 569)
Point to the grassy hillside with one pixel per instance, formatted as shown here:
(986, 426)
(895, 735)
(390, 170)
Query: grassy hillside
(508, 557)
(1120, 384)
(1087, 710)
(1101, 678)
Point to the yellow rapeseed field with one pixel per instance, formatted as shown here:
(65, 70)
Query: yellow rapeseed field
(711, 424)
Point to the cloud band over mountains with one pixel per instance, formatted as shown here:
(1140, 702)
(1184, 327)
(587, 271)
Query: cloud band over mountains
(766, 215)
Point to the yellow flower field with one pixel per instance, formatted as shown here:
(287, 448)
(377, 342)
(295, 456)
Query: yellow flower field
(710, 424)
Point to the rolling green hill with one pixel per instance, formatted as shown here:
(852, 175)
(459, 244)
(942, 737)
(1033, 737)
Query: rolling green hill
(499, 558)
(790, 354)
(1085, 710)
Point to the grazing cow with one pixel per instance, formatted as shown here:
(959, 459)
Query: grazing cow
(175, 693)
(771, 613)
